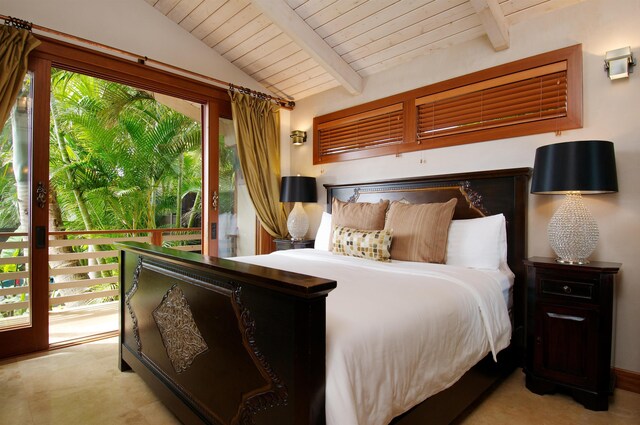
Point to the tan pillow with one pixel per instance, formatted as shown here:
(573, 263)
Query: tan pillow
(358, 215)
(420, 230)
(370, 244)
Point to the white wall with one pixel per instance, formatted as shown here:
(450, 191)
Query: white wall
(611, 112)
(131, 25)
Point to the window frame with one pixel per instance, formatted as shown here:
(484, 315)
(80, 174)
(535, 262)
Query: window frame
(363, 129)
(571, 55)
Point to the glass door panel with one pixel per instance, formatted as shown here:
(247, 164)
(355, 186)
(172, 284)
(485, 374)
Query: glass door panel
(125, 165)
(236, 215)
(15, 143)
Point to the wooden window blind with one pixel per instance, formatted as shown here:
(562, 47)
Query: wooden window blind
(369, 130)
(527, 96)
(539, 94)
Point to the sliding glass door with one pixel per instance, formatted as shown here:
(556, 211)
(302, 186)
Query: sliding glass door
(66, 160)
(23, 202)
(15, 189)
(236, 215)
(125, 164)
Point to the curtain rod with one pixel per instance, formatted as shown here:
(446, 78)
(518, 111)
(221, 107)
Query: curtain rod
(144, 60)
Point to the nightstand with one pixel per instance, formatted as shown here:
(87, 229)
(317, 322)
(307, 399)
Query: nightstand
(569, 321)
(282, 244)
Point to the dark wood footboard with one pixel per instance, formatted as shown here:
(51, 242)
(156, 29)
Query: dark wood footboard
(221, 342)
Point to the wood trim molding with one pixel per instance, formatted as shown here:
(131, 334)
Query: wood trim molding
(265, 243)
(627, 380)
(494, 82)
(101, 65)
(364, 115)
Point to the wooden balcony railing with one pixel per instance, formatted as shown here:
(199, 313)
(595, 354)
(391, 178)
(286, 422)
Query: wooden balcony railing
(14, 277)
(98, 264)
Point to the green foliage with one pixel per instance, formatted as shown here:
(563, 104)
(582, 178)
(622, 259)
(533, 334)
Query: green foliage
(118, 155)
(119, 159)
(8, 194)
(9, 268)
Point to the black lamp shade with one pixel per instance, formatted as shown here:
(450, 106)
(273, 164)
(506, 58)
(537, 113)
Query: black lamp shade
(298, 189)
(588, 167)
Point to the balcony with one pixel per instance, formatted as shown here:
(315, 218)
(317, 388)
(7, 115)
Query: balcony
(83, 274)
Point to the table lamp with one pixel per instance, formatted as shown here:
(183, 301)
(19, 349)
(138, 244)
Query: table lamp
(574, 169)
(298, 189)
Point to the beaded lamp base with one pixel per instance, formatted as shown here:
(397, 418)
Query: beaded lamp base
(298, 222)
(573, 232)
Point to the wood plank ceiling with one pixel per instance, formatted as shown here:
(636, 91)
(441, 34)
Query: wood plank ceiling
(297, 48)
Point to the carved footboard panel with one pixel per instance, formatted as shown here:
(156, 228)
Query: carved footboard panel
(222, 342)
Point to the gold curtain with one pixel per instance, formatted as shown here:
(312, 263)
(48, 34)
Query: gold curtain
(15, 45)
(257, 127)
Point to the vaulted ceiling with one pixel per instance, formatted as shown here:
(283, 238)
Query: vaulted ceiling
(297, 48)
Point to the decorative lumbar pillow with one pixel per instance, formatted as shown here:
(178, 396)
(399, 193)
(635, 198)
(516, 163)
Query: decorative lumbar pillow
(370, 244)
(420, 230)
(358, 215)
(323, 235)
(479, 243)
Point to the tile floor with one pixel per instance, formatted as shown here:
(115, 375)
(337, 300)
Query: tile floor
(82, 385)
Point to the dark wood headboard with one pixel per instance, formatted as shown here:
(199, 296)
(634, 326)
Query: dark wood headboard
(479, 194)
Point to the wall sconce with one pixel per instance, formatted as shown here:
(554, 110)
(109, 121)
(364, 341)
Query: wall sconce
(618, 63)
(298, 137)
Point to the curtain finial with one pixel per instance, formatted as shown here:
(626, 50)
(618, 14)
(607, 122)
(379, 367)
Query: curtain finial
(19, 23)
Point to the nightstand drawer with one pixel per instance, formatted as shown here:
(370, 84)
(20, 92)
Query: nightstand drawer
(568, 289)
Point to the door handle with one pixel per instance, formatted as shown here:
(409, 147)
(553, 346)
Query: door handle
(41, 194)
(214, 200)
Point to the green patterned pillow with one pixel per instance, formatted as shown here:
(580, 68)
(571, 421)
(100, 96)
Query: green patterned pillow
(371, 244)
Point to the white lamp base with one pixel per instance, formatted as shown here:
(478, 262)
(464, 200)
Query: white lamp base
(298, 222)
(573, 232)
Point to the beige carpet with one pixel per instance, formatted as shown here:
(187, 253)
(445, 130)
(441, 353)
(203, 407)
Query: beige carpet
(82, 385)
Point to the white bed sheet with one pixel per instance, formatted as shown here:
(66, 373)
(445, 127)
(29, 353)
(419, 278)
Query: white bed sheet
(399, 332)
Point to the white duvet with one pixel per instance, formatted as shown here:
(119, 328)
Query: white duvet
(398, 332)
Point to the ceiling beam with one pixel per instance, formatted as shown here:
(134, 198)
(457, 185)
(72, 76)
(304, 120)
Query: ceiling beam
(304, 36)
(494, 22)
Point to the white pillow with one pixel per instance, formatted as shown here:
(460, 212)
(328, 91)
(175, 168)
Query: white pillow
(324, 233)
(478, 243)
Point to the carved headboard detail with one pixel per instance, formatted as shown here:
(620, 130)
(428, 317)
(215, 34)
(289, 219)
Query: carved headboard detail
(469, 202)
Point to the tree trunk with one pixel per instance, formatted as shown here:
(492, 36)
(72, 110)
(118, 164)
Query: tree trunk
(20, 137)
(77, 194)
(179, 192)
(82, 207)
(193, 212)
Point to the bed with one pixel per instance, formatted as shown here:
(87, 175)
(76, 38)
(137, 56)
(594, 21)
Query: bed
(235, 342)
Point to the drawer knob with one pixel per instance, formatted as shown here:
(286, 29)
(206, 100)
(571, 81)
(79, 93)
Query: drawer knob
(566, 289)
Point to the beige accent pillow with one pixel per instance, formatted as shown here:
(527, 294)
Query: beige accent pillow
(370, 244)
(358, 215)
(420, 230)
